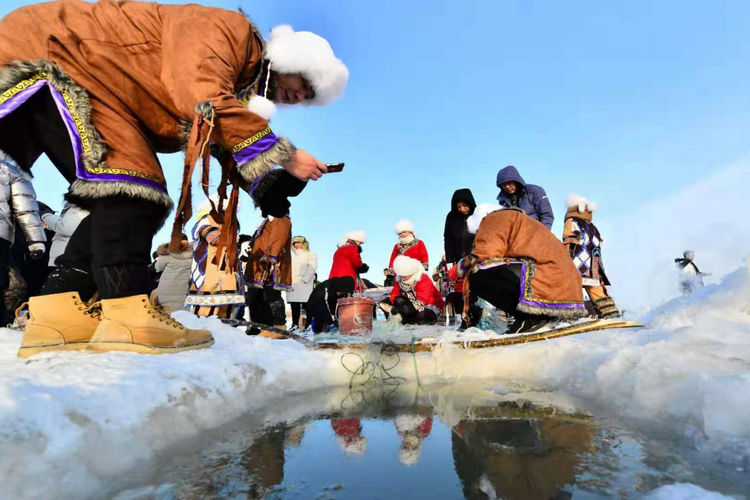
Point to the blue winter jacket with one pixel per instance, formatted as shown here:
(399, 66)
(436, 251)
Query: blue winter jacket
(530, 198)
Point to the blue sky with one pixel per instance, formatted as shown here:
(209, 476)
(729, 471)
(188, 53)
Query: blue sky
(623, 102)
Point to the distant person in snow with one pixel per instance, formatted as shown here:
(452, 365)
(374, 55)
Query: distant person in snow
(521, 268)
(409, 245)
(304, 265)
(458, 239)
(690, 276)
(584, 243)
(515, 193)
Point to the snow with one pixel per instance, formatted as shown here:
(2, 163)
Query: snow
(69, 421)
(684, 491)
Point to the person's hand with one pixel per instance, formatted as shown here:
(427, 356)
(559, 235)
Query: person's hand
(304, 166)
(36, 250)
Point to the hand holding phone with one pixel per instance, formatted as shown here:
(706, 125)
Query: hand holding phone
(334, 167)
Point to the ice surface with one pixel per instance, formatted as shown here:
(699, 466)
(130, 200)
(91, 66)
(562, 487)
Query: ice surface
(68, 421)
(683, 491)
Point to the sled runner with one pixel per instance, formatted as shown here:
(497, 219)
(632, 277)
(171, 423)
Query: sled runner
(431, 343)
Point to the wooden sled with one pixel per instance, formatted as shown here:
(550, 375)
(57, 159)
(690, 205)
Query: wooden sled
(430, 343)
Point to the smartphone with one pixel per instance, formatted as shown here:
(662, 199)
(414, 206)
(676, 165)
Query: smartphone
(334, 167)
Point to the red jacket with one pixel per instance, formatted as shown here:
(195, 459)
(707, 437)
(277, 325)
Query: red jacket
(425, 292)
(418, 252)
(346, 261)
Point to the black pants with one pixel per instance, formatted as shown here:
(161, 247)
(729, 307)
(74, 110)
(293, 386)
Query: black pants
(296, 313)
(321, 306)
(112, 249)
(501, 287)
(4, 277)
(409, 313)
(266, 306)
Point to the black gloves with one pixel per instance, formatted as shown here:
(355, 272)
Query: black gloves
(363, 269)
(44, 209)
(272, 190)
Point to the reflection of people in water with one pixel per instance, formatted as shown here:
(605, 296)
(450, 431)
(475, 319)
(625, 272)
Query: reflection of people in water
(349, 435)
(518, 459)
(412, 429)
(264, 460)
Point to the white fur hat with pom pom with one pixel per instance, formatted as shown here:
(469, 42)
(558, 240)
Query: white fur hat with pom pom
(310, 55)
(479, 214)
(404, 226)
(406, 266)
(583, 205)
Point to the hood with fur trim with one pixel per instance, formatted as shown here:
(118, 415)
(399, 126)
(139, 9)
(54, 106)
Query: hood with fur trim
(311, 56)
(479, 214)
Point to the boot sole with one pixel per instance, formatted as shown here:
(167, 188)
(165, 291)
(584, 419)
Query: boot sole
(100, 347)
(26, 352)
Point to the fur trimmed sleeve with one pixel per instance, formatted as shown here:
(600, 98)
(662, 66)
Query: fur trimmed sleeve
(205, 52)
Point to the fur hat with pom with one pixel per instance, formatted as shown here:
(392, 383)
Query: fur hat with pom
(580, 203)
(310, 55)
(406, 266)
(359, 236)
(404, 226)
(479, 214)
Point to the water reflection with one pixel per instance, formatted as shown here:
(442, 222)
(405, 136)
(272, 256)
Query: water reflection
(376, 442)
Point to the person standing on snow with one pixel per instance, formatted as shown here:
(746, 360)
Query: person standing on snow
(17, 205)
(515, 193)
(521, 268)
(101, 88)
(458, 239)
(690, 276)
(175, 269)
(408, 245)
(584, 243)
(304, 266)
(347, 260)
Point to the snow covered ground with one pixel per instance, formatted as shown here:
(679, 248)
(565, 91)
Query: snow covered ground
(70, 421)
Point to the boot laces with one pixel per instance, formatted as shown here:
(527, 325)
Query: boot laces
(92, 308)
(162, 313)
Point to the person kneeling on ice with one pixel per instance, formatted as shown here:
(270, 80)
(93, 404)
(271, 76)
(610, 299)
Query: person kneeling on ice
(520, 267)
(321, 306)
(584, 243)
(408, 245)
(415, 299)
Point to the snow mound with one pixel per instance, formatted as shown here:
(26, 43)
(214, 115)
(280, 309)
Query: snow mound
(688, 370)
(684, 491)
(69, 420)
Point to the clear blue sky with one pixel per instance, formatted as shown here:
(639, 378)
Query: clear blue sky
(623, 102)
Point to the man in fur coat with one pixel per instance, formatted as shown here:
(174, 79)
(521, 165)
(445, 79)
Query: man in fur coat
(518, 266)
(101, 88)
(584, 243)
(408, 245)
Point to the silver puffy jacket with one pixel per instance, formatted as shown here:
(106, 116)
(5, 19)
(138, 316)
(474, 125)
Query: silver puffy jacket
(18, 205)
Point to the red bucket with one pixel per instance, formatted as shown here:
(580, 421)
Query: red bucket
(355, 316)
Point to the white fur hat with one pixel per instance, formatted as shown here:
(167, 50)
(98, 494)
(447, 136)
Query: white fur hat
(353, 445)
(261, 106)
(311, 56)
(360, 236)
(406, 266)
(479, 214)
(404, 225)
(574, 200)
(409, 457)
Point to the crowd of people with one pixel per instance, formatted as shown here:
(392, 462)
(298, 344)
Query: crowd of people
(101, 112)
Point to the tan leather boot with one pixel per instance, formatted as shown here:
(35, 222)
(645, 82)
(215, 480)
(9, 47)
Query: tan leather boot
(134, 324)
(272, 334)
(59, 322)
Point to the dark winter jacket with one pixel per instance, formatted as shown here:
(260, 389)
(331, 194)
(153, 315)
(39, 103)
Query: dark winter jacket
(529, 198)
(321, 306)
(458, 239)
